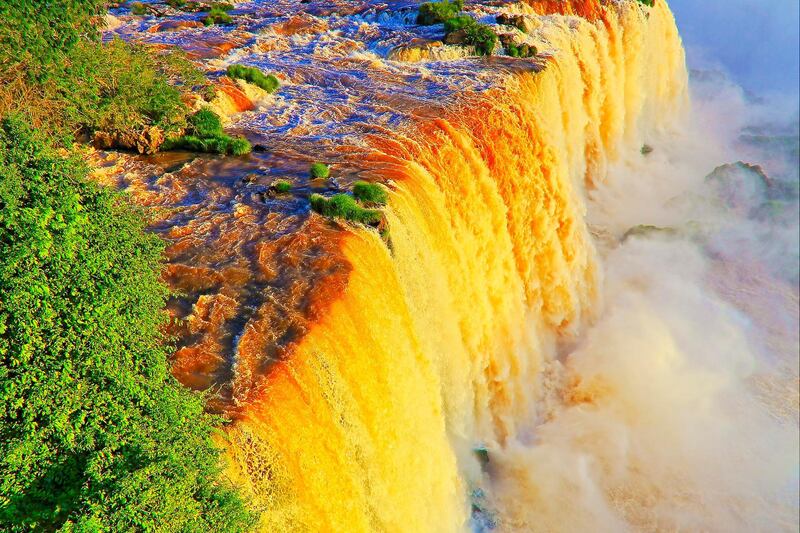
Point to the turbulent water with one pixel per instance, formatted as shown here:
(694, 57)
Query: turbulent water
(585, 318)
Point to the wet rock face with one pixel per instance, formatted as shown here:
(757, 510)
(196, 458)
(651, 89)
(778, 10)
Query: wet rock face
(740, 185)
(146, 141)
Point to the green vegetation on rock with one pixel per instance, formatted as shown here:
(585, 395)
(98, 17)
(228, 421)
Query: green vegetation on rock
(371, 193)
(344, 206)
(268, 82)
(138, 8)
(217, 15)
(95, 434)
(522, 50)
(319, 170)
(438, 12)
(204, 134)
(458, 23)
(482, 37)
(282, 186)
(649, 3)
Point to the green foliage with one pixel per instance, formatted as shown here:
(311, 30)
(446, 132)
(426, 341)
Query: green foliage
(113, 86)
(95, 434)
(217, 16)
(319, 170)
(176, 3)
(370, 193)
(649, 3)
(216, 144)
(35, 35)
(343, 206)
(268, 82)
(438, 12)
(282, 186)
(138, 8)
(482, 37)
(204, 134)
(458, 23)
(222, 6)
(522, 50)
(123, 87)
(205, 123)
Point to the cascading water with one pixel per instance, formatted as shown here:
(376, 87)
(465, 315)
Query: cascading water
(442, 345)
(503, 362)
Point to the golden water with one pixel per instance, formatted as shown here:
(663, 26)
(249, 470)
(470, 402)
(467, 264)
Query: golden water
(442, 344)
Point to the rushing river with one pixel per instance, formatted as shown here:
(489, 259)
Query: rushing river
(585, 317)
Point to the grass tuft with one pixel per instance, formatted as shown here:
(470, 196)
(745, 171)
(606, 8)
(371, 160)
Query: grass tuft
(319, 170)
(371, 193)
(268, 82)
(344, 206)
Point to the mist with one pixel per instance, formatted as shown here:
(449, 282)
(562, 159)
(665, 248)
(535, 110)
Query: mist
(679, 406)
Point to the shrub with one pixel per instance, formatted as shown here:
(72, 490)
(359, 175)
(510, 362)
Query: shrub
(369, 193)
(282, 186)
(124, 87)
(522, 50)
(216, 144)
(268, 82)
(482, 37)
(438, 12)
(458, 23)
(345, 207)
(222, 6)
(95, 434)
(319, 170)
(217, 16)
(114, 86)
(205, 123)
(34, 36)
(138, 8)
(649, 3)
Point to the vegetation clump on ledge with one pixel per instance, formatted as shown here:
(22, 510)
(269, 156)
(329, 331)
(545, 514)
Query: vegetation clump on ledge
(217, 15)
(345, 207)
(268, 82)
(319, 171)
(139, 9)
(437, 12)
(204, 134)
(370, 193)
(281, 186)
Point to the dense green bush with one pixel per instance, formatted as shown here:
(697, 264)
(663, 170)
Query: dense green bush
(649, 3)
(482, 37)
(221, 6)
(217, 144)
(35, 35)
(345, 207)
(522, 50)
(124, 87)
(458, 23)
(438, 12)
(95, 434)
(268, 82)
(217, 16)
(205, 123)
(370, 193)
(319, 170)
(138, 8)
(204, 134)
(282, 186)
(113, 86)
